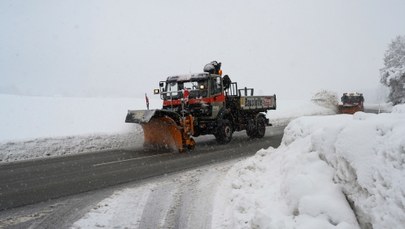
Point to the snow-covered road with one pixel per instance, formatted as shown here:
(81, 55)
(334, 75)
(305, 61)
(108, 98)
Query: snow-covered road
(177, 200)
(182, 200)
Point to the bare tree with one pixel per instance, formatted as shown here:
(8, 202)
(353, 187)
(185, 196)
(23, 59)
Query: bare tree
(393, 72)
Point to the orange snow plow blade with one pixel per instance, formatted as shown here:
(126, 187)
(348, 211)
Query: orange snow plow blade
(163, 129)
(163, 132)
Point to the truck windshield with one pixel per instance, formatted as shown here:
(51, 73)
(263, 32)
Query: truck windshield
(352, 99)
(174, 90)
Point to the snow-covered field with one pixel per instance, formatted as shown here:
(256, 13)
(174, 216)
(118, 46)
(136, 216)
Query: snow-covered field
(35, 127)
(334, 171)
(29, 117)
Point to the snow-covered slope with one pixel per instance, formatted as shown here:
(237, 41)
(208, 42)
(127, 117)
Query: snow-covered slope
(337, 171)
(28, 117)
(36, 127)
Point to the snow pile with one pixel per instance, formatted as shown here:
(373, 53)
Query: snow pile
(59, 146)
(399, 109)
(337, 171)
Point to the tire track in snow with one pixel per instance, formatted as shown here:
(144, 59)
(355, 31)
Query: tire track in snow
(184, 200)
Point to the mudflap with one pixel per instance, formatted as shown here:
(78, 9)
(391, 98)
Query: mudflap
(163, 129)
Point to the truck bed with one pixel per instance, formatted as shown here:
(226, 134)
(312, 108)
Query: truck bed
(258, 102)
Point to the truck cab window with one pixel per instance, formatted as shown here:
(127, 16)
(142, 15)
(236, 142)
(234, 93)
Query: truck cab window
(216, 87)
(172, 89)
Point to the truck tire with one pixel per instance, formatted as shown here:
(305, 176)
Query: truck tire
(258, 130)
(224, 132)
(251, 131)
(260, 126)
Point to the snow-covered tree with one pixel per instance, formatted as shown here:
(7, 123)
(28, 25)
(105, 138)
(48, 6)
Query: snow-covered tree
(393, 72)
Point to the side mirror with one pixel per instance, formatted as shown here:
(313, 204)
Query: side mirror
(156, 91)
(161, 84)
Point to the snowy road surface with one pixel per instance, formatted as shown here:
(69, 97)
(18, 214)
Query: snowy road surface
(32, 181)
(178, 200)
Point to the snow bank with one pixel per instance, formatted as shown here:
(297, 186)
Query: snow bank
(399, 109)
(338, 171)
(59, 146)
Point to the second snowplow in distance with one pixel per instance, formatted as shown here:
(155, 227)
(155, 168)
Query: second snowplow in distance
(351, 103)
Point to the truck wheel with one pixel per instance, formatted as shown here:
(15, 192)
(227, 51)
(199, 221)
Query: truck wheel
(261, 127)
(224, 133)
(258, 130)
(251, 132)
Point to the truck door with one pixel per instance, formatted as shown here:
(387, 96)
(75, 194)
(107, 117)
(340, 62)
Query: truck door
(216, 95)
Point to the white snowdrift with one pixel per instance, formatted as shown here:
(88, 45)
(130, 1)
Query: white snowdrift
(324, 167)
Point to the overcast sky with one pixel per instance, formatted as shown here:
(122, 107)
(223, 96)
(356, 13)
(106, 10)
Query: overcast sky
(123, 48)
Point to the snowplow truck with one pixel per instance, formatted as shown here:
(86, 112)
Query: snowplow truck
(351, 103)
(201, 104)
